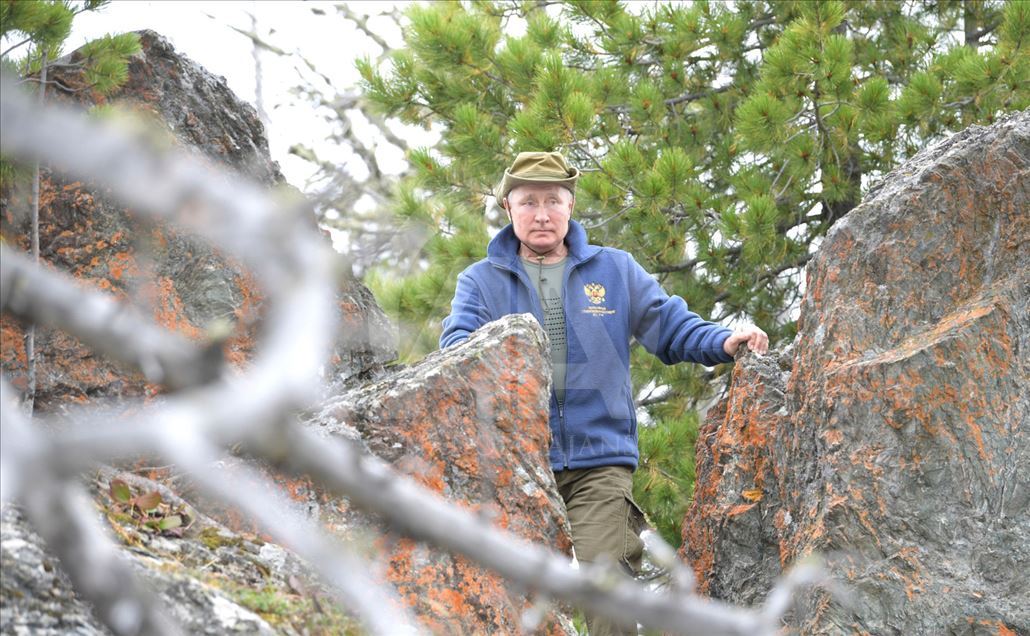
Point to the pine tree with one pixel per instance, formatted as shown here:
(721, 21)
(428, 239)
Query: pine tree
(44, 25)
(664, 482)
(718, 141)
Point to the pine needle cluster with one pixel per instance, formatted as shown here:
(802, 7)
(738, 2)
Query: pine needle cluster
(34, 32)
(718, 141)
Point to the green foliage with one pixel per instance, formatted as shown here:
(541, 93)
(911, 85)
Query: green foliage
(290, 612)
(44, 25)
(147, 511)
(106, 61)
(664, 482)
(37, 30)
(718, 140)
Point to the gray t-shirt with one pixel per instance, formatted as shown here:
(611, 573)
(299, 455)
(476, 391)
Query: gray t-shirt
(548, 282)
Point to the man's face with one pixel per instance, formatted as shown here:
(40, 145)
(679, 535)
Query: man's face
(540, 215)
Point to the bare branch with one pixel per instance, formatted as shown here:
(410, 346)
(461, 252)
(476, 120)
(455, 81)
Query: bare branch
(361, 21)
(14, 46)
(252, 34)
(782, 595)
(772, 273)
(30, 333)
(664, 555)
(691, 97)
(419, 513)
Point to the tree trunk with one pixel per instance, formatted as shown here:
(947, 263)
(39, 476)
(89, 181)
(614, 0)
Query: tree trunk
(30, 333)
(971, 23)
(852, 173)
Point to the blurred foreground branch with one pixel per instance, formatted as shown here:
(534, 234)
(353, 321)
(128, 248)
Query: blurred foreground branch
(257, 409)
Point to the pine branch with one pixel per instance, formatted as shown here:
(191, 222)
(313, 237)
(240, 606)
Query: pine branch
(679, 267)
(68, 65)
(730, 254)
(692, 97)
(771, 274)
(651, 400)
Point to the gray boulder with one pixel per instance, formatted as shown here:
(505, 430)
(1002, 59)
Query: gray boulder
(893, 440)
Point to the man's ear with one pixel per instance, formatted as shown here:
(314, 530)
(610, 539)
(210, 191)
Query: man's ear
(504, 206)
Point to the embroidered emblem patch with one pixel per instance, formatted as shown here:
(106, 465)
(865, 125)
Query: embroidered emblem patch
(594, 292)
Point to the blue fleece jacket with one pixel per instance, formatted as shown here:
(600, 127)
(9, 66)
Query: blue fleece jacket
(608, 298)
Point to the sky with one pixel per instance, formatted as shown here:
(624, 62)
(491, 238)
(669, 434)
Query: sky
(203, 31)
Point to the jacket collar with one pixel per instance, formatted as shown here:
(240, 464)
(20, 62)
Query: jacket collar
(503, 249)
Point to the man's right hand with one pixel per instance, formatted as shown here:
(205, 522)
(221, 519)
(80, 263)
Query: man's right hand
(756, 340)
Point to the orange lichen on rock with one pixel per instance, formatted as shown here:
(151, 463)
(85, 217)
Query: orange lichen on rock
(122, 265)
(12, 342)
(473, 428)
(894, 446)
(168, 308)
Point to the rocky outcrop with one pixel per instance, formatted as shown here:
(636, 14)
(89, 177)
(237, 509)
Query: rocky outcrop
(893, 438)
(184, 284)
(210, 579)
(469, 423)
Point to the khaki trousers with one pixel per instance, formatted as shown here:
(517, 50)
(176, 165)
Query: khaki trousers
(605, 525)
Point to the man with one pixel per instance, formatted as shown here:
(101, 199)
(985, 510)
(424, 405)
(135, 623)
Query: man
(591, 301)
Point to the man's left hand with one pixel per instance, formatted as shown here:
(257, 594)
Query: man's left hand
(756, 340)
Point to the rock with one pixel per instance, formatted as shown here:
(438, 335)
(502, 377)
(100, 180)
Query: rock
(734, 488)
(470, 423)
(184, 284)
(209, 580)
(37, 597)
(896, 446)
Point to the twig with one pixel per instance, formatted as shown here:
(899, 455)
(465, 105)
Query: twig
(626, 208)
(382, 613)
(362, 23)
(14, 46)
(770, 274)
(690, 97)
(416, 512)
(30, 333)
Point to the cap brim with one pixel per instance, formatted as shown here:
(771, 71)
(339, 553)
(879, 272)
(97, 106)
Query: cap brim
(511, 182)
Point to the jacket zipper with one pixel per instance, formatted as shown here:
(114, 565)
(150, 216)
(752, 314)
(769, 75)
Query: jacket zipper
(566, 452)
(564, 435)
(564, 444)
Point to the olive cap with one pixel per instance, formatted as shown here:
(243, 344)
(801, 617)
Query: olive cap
(537, 168)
